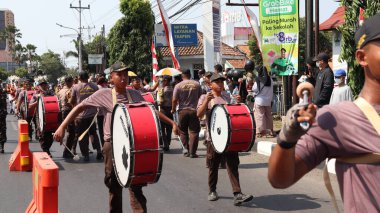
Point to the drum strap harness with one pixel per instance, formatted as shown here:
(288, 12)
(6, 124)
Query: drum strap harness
(88, 129)
(114, 102)
(114, 98)
(370, 158)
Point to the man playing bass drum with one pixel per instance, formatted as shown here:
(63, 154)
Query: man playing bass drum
(205, 105)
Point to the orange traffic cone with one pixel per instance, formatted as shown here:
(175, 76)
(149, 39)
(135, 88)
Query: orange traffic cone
(21, 159)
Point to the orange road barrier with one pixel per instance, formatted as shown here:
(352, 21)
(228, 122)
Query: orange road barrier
(45, 185)
(21, 159)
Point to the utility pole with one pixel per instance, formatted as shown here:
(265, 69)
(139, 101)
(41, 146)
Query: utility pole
(104, 49)
(79, 9)
(309, 28)
(316, 44)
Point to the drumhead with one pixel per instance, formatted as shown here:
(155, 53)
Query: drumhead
(219, 128)
(26, 110)
(41, 113)
(121, 145)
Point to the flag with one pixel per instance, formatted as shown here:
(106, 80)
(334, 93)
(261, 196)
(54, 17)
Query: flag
(168, 32)
(361, 17)
(154, 60)
(254, 24)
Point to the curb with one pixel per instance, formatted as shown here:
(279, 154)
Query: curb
(266, 148)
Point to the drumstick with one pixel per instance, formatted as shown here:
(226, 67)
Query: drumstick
(305, 91)
(175, 118)
(76, 157)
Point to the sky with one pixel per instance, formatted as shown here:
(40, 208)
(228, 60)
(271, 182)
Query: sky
(37, 19)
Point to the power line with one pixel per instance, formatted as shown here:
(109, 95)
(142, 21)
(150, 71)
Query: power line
(106, 14)
(79, 9)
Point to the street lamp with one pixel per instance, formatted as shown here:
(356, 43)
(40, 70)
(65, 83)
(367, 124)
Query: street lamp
(80, 44)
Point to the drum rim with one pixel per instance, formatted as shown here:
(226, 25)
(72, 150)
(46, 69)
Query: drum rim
(131, 144)
(159, 136)
(228, 123)
(26, 105)
(40, 98)
(253, 129)
(160, 143)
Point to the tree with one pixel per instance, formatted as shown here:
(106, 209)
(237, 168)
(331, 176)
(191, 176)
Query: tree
(19, 54)
(94, 47)
(75, 54)
(51, 65)
(325, 42)
(3, 74)
(255, 51)
(130, 38)
(31, 55)
(348, 29)
(21, 72)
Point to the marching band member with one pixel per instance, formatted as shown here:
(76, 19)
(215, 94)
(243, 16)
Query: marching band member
(186, 95)
(64, 96)
(205, 104)
(102, 99)
(165, 107)
(45, 138)
(346, 131)
(27, 88)
(136, 84)
(84, 120)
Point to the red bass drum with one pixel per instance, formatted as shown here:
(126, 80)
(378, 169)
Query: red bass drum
(48, 112)
(136, 144)
(232, 128)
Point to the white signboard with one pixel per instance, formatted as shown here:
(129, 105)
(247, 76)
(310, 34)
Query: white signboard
(160, 36)
(95, 58)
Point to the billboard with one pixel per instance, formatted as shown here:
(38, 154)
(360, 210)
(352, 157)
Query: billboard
(280, 35)
(183, 35)
(95, 58)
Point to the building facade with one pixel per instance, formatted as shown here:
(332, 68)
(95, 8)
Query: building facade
(6, 19)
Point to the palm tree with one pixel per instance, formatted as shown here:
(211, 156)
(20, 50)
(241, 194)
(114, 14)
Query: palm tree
(76, 54)
(31, 55)
(19, 54)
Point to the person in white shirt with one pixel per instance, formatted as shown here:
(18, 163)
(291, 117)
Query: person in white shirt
(342, 92)
(263, 93)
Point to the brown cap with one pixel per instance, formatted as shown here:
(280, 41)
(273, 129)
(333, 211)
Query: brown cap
(370, 31)
(217, 76)
(118, 67)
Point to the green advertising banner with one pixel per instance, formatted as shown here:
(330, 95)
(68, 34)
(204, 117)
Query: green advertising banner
(279, 29)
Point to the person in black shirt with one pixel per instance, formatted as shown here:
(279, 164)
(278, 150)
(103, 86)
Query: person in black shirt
(324, 84)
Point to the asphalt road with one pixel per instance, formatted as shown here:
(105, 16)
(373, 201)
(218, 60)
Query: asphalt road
(181, 188)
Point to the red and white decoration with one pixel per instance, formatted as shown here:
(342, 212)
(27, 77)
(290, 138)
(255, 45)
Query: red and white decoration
(168, 32)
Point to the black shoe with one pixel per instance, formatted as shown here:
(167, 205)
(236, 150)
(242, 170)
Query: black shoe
(2, 151)
(194, 156)
(186, 154)
(166, 149)
(99, 156)
(242, 198)
(67, 155)
(86, 158)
